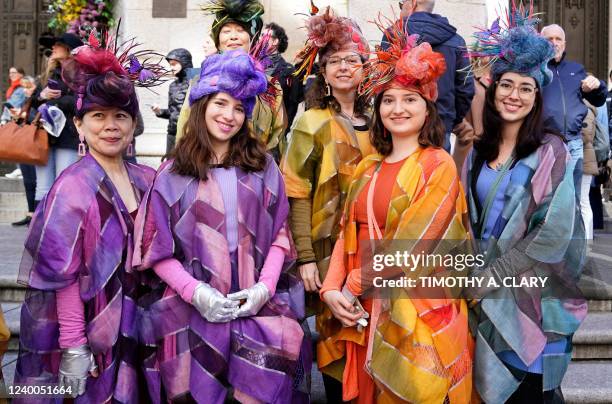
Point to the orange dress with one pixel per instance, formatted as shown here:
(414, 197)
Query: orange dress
(357, 384)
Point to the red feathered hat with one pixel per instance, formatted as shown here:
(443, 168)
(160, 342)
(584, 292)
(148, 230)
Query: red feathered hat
(405, 64)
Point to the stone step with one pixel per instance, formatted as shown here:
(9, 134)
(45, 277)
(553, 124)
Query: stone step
(10, 215)
(588, 382)
(596, 280)
(593, 340)
(11, 185)
(9, 361)
(600, 305)
(14, 200)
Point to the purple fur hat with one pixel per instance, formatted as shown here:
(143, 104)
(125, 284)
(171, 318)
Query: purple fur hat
(233, 72)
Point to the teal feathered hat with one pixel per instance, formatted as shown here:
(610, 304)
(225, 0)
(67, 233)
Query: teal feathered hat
(516, 46)
(246, 13)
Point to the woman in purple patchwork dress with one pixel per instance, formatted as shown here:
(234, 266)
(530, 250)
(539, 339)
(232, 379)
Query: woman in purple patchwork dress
(214, 229)
(78, 322)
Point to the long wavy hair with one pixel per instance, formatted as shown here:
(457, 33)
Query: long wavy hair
(194, 153)
(316, 97)
(531, 132)
(432, 133)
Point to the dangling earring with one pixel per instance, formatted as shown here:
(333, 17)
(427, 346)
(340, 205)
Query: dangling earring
(82, 148)
(130, 150)
(327, 90)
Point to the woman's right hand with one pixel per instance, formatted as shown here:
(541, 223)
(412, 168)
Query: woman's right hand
(341, 308)
(50, 94)
(310, 275)
(212, 305)
(76, 365)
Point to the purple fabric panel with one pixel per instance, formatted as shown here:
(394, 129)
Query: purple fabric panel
(226, 179)
(102, 232)
(185, 219)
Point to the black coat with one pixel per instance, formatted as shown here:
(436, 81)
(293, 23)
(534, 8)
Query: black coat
(178, 89)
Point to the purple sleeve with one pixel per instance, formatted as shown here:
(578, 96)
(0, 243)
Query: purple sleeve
(53, 253)
(172, 272)
(153, 237)
(70, 316)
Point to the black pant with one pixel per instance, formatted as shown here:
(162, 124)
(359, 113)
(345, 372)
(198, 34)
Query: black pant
(530, 390)
(596, 206)
(29, 183)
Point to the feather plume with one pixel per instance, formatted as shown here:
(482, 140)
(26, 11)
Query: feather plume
(513, 44)
(405, 62)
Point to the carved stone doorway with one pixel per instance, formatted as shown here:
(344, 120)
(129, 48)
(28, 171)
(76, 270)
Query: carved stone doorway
(21, 23)
(586, 26)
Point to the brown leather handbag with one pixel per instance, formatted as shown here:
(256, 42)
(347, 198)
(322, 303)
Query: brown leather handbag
(27, 143)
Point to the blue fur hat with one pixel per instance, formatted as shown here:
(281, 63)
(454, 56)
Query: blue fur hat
(518, 48)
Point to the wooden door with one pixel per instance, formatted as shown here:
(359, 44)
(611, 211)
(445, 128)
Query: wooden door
(586, 27)
(21, 23)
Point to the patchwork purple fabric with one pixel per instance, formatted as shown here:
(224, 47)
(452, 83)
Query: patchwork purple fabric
(82, 232)
(265, 356)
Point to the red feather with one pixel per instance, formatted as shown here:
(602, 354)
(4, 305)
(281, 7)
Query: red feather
(93, 39)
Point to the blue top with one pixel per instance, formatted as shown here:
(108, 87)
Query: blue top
(228, 182)
(485, 182)
(17, 99)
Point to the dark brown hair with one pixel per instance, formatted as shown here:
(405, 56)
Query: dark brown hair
(316, 97)
(432, 133)
(193, 153)
(531, 132)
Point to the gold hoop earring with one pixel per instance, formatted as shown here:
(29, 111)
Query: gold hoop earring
(328, 91)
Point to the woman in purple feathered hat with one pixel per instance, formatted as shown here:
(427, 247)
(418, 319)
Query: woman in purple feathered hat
(214, 229)
(78, 321)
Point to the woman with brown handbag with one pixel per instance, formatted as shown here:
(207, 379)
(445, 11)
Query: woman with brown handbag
(55, 93)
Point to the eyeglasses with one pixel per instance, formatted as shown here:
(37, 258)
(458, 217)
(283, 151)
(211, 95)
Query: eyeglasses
(525, 91)
(352, 60)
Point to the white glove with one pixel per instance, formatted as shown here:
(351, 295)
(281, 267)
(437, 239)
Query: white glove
(212, 305)
(256, 296)
(76, 365)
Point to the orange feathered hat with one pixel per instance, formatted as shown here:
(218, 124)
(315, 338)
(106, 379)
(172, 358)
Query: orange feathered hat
(405, 64)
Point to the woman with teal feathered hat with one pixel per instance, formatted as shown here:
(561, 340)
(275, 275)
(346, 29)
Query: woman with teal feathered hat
(524, 217)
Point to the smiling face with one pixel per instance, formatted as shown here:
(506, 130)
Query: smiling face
(107, 131)
(224, 117)
(515, 96)
(234, 36)
(343, 71)
(14, 74)
(403, 112)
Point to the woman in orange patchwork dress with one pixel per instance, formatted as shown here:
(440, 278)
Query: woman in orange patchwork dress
(412, 350)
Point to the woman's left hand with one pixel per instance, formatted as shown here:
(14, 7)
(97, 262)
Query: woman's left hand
(256, 297)
(464, 132)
